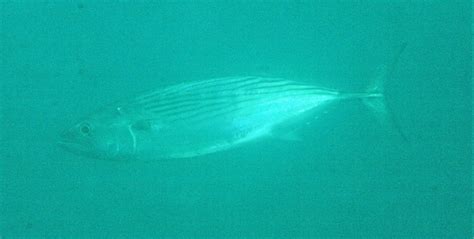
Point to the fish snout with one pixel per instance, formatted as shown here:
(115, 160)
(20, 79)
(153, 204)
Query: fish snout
(67, 135)
(68, 141)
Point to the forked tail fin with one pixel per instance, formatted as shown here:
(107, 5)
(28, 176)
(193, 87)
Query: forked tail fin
(375, 99)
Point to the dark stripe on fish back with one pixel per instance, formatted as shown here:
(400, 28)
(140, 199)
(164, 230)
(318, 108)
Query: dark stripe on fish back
(214, 84)
(242, 108)
(209, 110)
(247, 87)
(219, 96)
(210, 99)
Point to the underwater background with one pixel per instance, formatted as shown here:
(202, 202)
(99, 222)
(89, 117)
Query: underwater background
(349, 177)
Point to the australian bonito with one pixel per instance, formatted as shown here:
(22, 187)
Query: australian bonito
(203, 117)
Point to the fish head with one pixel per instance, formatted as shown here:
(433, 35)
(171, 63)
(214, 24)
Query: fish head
(103, 135)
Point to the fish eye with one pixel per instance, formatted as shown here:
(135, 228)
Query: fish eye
(85, 129)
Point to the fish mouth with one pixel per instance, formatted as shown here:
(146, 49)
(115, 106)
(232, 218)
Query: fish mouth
(67, 141)
(70, 146)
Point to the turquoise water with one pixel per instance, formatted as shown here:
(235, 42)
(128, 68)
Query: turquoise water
(348, 178)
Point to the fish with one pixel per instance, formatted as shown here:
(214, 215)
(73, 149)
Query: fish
(198, 118)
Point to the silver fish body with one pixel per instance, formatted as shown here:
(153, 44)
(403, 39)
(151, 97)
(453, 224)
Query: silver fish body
(204, 117)
(197, 118)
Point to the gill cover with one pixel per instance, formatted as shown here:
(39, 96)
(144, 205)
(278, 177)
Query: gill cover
(122, 146)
